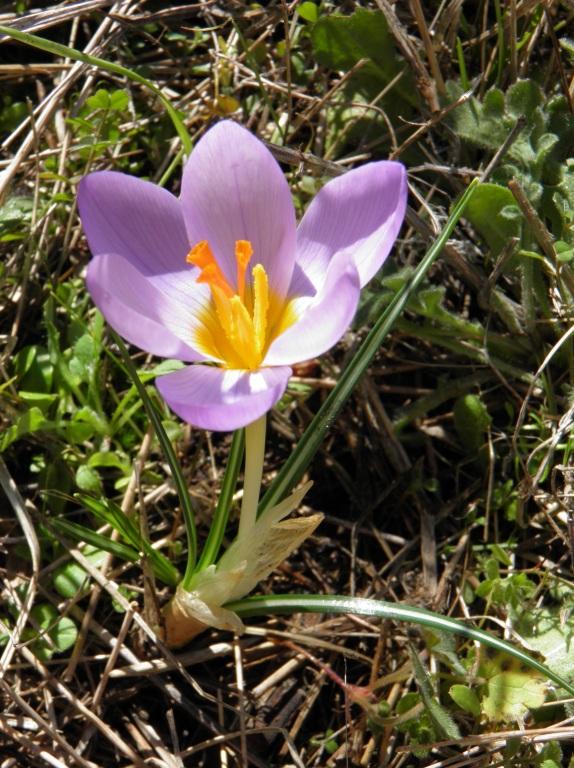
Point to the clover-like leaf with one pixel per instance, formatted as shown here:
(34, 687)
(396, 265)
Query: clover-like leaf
(511, 689)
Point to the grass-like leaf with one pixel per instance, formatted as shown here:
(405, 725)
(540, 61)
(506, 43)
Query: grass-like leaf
(277, 604)
(109, 512)
(221, 515)
(308, 445)
(108, 66)
(442, 720)
(167, 447)
(78, 532)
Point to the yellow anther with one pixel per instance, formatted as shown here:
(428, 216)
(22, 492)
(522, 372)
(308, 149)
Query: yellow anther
(243, 253)
(223, 309)
(260, 306)
(237, 332)
(243, 334)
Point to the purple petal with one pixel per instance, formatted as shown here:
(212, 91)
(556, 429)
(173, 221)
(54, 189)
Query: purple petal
(140, 312)
(324, 321)
(233, 189)
(221, 399)
(137, 219)
(359, 213)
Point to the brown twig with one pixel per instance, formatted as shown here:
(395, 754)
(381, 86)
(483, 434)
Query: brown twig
(425, 83)
(429, 47)
(537, 226)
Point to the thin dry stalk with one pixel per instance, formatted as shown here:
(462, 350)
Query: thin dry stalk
(19, 506)
(424, 82)
(45, 726)
(429, 47)
(512, 34)
(126, 506)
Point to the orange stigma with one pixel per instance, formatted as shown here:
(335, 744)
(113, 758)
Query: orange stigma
(238, 331)
(202, 256)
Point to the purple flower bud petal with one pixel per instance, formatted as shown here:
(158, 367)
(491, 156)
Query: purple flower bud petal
(140, 312)
(222, 399)
(143, 222)
(359, 213)
(233, 189)
(325, 318)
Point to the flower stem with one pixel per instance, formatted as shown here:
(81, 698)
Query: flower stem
(254, 456)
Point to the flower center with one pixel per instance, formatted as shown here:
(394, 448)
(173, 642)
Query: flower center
(238, 332)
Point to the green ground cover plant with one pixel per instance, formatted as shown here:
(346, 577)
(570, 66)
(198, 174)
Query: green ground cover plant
(427, 620)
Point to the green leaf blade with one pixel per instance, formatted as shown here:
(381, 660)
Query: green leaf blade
(279, 604)
(298, 461)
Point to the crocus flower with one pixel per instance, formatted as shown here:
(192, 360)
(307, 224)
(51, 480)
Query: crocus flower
(222, 277)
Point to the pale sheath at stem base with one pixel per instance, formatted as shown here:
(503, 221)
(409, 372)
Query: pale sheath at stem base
(247, 562)
(261, 545)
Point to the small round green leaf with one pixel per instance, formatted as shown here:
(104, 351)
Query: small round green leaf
(466, 699)
(87, 479)
(308, 11)
(71, 578)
